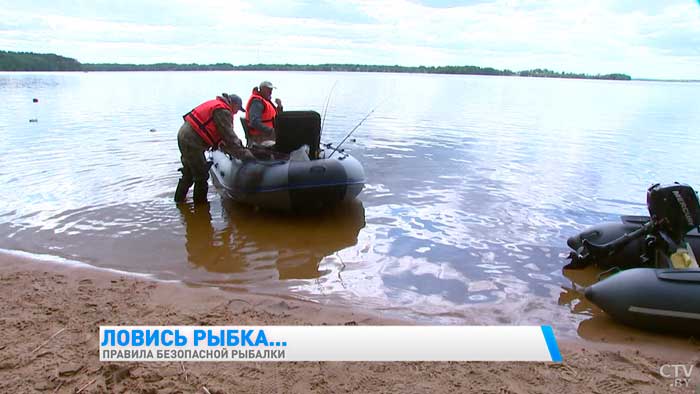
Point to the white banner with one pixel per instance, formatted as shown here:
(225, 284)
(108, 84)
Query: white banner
(328, 343)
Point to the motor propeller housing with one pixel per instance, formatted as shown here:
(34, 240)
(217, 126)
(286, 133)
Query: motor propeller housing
(675, 209)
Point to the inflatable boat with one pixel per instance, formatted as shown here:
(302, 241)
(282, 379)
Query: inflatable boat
(295, 174)
(657, 284)
(631, 254)
(666, 300)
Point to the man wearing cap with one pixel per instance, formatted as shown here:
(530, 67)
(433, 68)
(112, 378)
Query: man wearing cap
(209, 125)
(261, 113)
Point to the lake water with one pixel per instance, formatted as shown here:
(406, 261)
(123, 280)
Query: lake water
(474, 184)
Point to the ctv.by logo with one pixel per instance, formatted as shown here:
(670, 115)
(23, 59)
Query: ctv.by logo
(680, 373)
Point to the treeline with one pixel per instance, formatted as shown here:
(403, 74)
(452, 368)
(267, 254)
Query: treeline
(156, 67)
(465, 70)
(27, 61)
(376, 68)
(553, 74)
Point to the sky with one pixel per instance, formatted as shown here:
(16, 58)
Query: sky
(641, 38)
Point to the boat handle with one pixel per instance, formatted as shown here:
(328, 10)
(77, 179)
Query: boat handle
(317, 169)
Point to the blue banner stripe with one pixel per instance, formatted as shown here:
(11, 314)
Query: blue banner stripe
(551, 343)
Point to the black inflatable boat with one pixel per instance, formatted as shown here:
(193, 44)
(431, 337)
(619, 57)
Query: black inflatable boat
(629, 255)
(656, 299)
(658, 286)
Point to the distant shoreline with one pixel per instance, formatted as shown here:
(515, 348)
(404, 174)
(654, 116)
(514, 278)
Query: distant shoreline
(665, 80)
(98, 71)
(28, 61)
(435, 73)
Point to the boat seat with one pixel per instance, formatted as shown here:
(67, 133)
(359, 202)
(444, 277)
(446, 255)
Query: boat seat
(297, 128)
(246, 130)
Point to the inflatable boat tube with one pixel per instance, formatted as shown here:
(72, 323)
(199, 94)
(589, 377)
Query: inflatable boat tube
(288, 185)
(666, 300)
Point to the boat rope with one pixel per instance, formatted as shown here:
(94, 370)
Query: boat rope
(610, 271)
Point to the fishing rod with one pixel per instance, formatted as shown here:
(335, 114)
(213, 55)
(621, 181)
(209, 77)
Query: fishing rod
(325, 109)
(355, 128)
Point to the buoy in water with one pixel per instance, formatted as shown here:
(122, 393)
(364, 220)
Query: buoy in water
(153, 130)
(35, 100)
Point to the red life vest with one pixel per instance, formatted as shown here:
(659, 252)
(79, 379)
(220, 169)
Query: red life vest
(202, 120)
(266, 118)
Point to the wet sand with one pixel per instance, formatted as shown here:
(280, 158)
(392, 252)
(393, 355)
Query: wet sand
(41, 300)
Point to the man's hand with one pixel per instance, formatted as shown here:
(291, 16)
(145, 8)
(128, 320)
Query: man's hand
(224, 146)
(247, 155)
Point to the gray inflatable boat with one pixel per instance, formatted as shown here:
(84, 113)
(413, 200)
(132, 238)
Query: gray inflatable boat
(293, 175)
(288, 185)
(664, 300)
(661, 289)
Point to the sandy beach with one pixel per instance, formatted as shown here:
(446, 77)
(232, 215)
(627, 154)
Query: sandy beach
(68, 304)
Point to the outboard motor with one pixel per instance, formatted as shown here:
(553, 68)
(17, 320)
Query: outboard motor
(675, 209)
(638, 242)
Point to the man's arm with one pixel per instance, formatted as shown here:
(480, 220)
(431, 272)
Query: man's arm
(255, 116)
(232, 144)
(278, 105)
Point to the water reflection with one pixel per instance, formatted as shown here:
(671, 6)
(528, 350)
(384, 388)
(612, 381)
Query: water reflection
(572, 295)
(251, 241)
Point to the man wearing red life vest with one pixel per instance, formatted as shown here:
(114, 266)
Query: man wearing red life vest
(261, 113)
(209, 125)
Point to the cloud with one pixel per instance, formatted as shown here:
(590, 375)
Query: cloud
(642, 38)
(329, 11)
